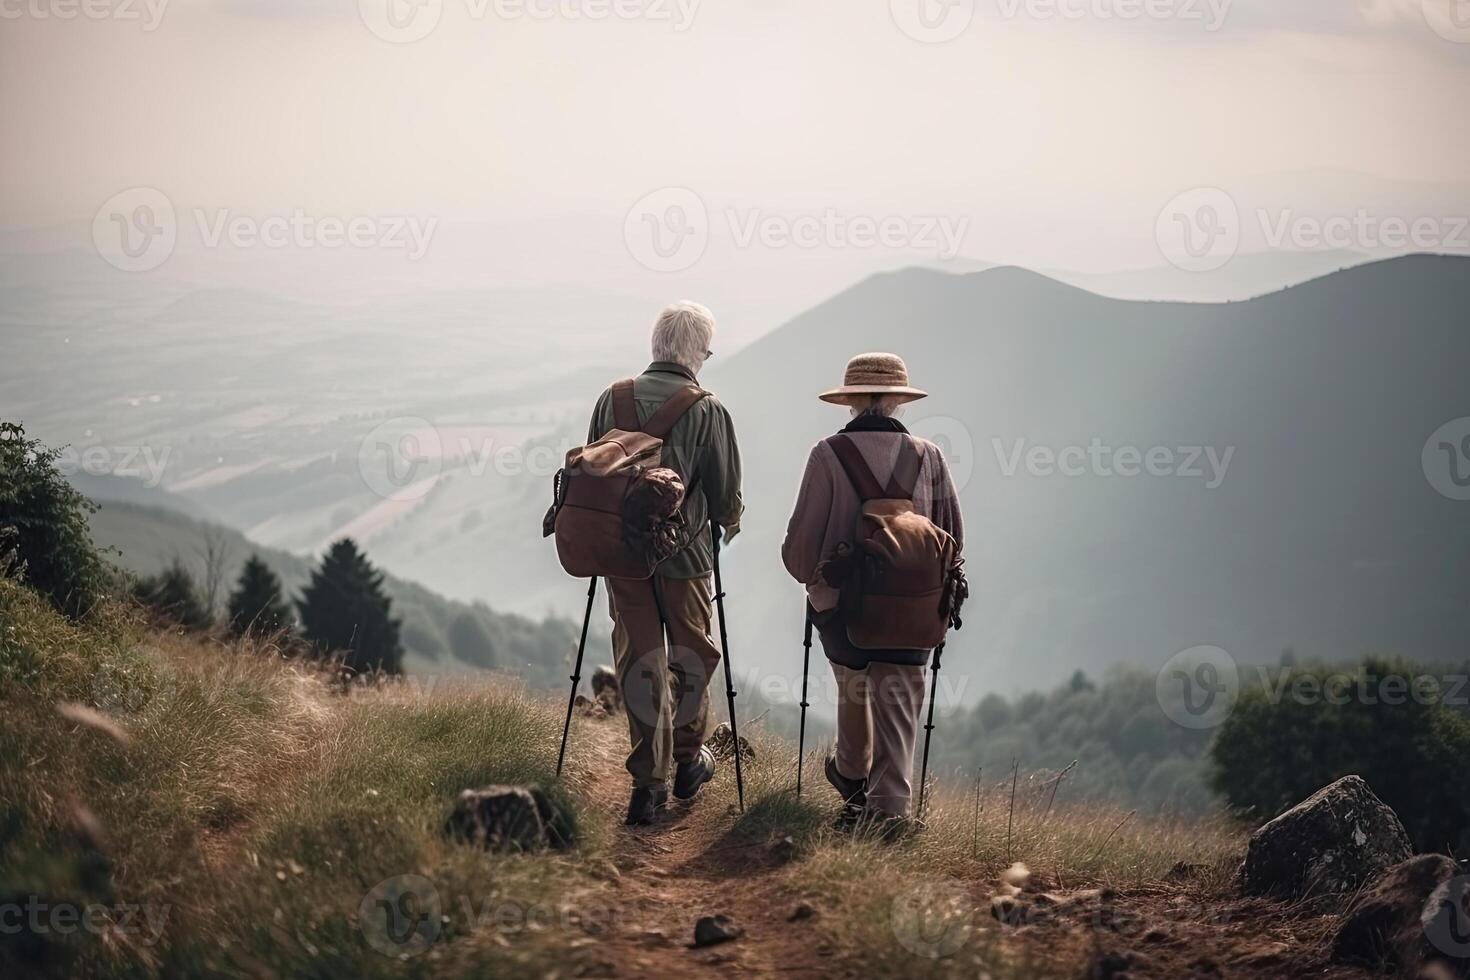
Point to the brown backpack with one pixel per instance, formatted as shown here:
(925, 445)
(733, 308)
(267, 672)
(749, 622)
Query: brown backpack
(898, 582)
(615, 510)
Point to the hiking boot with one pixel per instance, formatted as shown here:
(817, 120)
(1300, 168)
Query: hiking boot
(692, 775)
(853, 791)
(645, 804)
(847, 821)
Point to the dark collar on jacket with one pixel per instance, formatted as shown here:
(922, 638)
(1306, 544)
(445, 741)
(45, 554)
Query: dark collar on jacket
(669, 367)
(874, 423)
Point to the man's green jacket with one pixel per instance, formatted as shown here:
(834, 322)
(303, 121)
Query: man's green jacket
(701, 449)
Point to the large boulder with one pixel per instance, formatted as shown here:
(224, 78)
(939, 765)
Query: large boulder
(1339, 839)
(1417, 914)
(510, 818)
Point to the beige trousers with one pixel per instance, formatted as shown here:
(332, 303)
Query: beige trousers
(665, 693)
(878, 713)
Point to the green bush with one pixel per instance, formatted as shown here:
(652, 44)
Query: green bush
(1383, 720)
(43, 527)
(173, 595)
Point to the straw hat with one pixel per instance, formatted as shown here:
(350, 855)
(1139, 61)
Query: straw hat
(873, 374)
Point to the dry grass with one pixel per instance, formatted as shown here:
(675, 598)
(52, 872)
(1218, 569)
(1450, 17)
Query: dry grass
(251, 808)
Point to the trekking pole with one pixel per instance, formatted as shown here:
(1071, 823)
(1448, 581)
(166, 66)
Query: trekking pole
(806, 661)
(714, 534)
(576, 677)
(929, 729)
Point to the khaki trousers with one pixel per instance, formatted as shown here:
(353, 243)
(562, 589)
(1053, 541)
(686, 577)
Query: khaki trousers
(665, 693)
(878, 713)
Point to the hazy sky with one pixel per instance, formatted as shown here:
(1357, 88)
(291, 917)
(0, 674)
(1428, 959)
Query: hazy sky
(1055, 129)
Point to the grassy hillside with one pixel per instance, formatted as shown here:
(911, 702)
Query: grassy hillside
(145, 539)
(217, 812)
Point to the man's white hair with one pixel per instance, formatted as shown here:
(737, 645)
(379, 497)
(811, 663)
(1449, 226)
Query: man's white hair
(682, 334)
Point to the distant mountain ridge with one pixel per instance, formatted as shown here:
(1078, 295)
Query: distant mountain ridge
(1325, 534)
(147, 538)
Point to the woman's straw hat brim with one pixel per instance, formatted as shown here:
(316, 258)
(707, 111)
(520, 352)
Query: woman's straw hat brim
(845, 394)
(874, 374)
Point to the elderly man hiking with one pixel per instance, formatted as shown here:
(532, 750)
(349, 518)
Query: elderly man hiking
(875, 538)
(636, 506)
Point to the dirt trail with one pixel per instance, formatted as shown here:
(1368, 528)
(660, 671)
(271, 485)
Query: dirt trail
(684, 867)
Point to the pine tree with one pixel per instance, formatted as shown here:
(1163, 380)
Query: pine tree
(172, 594)
(345, 611)
(256, 606)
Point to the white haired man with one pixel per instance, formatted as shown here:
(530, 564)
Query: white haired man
(666, 697)
(880, 692)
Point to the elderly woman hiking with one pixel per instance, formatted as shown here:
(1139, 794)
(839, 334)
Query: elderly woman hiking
(875, 538)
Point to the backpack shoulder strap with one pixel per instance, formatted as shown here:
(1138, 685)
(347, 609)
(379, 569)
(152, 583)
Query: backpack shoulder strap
(625, 409)
(905, 478)
(672, 410)
(859, 473)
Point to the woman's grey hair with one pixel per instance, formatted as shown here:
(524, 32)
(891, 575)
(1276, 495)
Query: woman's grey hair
(682, 334)
(885, 405)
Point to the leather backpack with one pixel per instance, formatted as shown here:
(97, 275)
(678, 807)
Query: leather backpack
(616, 508)
(898, 581)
